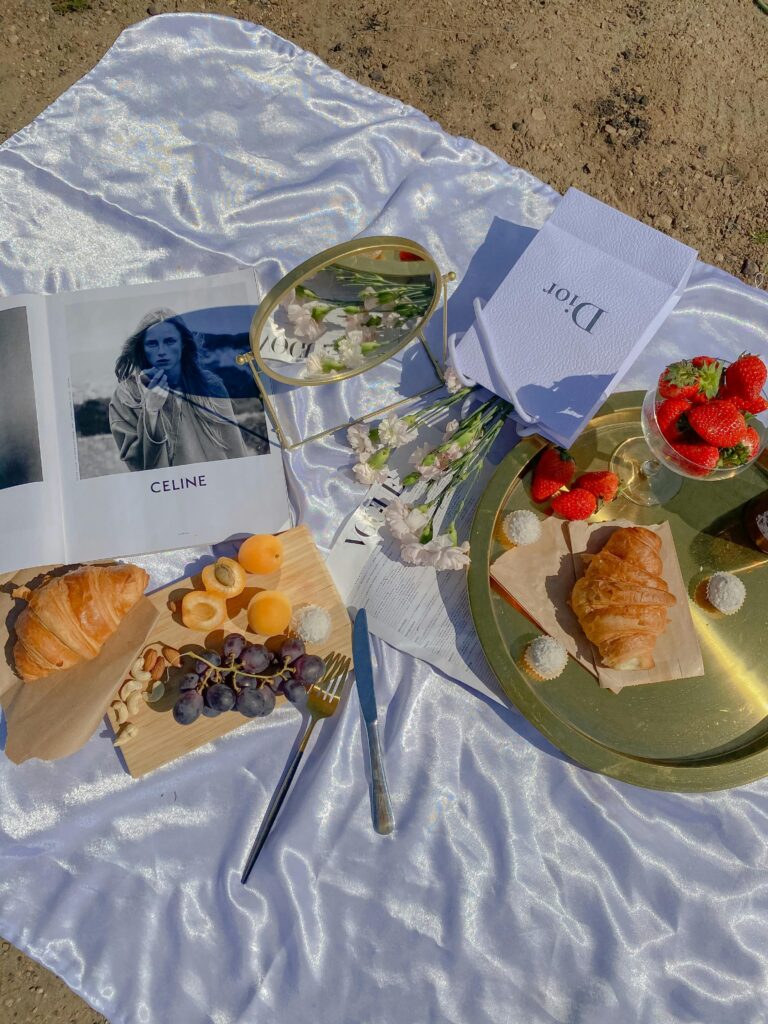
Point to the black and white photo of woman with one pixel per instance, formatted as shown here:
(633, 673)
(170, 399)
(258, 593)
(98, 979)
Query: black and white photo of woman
(167, 408)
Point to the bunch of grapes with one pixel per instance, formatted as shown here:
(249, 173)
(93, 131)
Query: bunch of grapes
(246, 678)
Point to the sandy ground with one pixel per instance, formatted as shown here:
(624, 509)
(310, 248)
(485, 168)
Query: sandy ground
(656, 106)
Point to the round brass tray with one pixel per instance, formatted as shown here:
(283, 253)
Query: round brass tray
(690, 735)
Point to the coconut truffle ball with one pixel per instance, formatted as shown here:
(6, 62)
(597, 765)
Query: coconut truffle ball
(312, 624)
(545, 657)
(521, 527)
(726, 592)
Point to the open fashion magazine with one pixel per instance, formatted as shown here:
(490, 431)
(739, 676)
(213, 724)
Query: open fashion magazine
(126, 426)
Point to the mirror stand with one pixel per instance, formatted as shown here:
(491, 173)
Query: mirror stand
(249, 359)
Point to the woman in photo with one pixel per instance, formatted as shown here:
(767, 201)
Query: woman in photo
(167, 410)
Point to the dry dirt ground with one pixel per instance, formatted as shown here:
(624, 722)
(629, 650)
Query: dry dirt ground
(659, 107)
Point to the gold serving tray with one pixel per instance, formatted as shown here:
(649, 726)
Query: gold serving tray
(687, 735)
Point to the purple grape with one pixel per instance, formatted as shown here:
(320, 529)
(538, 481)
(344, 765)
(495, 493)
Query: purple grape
(255, 658)
(296, 693)
(256, 703)
(188, 707)
(292, 649)
(276, 682)
(233, 646)
(210, 712)
(309, 669)
(220, 697)
(243, 681)
(190, 681)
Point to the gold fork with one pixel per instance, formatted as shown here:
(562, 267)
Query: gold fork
(322, 701)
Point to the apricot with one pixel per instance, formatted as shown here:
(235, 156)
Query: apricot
(203, 609)
(269, 612)
(261, 554)
(224, 576)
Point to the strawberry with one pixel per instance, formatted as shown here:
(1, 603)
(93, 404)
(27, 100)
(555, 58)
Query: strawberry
(754, 406)
(602, 483)
(696, 379)
(553, 471)
(704, 457)
(575, 504)
(746, 377)
(718, 422)
(671, 417)
(742, 452)
(752, 442)
(679, 380)
(710, 373)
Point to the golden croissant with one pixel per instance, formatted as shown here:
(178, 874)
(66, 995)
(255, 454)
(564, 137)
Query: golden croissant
(68, 618)
(621, 600)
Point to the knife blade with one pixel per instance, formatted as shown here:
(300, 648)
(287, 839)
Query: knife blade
(381, 806)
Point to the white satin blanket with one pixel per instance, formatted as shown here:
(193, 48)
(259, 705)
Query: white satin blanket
(519, 887)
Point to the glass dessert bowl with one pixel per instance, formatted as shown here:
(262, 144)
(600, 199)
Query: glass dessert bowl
(652, 467)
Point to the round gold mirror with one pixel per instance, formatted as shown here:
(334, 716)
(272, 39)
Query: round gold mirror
(345, 310)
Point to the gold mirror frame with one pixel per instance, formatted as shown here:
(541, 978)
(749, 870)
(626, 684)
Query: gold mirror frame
(314, 265)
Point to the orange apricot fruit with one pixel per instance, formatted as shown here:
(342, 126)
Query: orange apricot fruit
(203, 609)
(224, 576)
(261, 554)
(269, 612)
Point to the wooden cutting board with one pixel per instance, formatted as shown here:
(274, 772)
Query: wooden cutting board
(303, 577)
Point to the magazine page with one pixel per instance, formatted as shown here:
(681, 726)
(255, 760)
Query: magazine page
(164, 442)
(30, 496)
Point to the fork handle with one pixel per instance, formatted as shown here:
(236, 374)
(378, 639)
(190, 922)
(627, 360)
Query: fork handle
(276, 803)
(381, 806)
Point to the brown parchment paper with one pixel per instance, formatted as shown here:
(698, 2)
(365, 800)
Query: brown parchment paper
(540, 578)
(54, 717)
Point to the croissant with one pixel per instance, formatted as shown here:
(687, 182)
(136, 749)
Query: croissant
(621, 601)
(68, 618)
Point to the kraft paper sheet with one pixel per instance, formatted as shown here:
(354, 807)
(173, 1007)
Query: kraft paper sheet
(541, 576)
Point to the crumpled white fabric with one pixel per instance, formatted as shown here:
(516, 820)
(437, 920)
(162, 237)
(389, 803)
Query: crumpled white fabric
(518, 887)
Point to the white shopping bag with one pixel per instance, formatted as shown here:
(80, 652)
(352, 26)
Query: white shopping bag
(573, 314)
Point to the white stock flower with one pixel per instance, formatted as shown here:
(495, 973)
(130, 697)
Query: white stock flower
(444, 554)
(404, 521)
(350, 352)
(354, 321)
(419, 453)
(453, 452)
(415, 554)
(370, 298)
(452, 382)
(390, 319)
(394, 431)
(367, 475)
(358, 439)
(450, 428)
(431, 472)
(314, 363)
(304, 325)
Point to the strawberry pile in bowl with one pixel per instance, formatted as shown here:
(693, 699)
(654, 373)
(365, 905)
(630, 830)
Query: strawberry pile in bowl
(702, 419)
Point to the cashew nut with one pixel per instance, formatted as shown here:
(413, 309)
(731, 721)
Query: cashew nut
(138, 672)
(130, 686)
(121, 711)
(134, 703)
(155, 692)
(127, 732)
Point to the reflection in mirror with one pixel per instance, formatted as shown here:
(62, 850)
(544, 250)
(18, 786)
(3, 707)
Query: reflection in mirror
(347, 316)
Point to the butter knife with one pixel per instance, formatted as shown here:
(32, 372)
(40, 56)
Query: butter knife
(381, 807)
